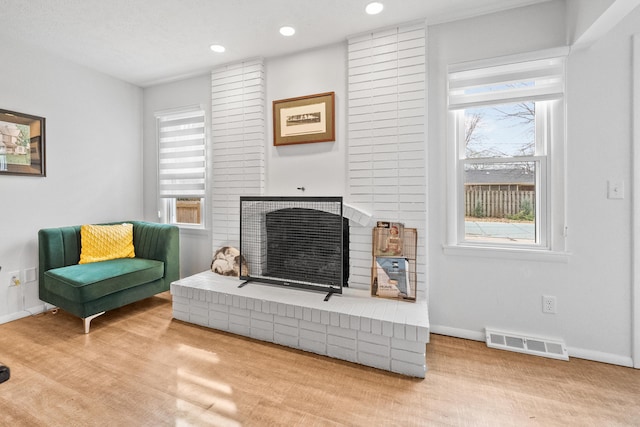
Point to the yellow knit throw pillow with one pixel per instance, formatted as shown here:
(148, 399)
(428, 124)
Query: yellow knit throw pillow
(104, 242)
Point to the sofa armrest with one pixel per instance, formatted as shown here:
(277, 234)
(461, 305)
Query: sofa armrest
(57, 247)
(160, 242)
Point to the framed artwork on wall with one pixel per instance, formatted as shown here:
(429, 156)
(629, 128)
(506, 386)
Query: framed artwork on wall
(304, 119)
(22, 144)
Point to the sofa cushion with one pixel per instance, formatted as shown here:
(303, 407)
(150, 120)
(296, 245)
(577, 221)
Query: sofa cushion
(104, 242)
(87, 282)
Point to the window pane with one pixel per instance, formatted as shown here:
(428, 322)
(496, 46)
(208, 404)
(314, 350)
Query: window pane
(504, 130)
(499, 202)
(188, 211)
(182, 167)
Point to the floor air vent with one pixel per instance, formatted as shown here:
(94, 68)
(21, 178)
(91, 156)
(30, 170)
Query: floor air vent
(529, 345)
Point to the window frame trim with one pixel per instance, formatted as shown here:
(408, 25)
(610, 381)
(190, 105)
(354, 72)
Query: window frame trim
(550, 210)
(161, 202)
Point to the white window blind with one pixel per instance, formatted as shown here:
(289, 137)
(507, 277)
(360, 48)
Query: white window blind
(536, 80)
(182, 154)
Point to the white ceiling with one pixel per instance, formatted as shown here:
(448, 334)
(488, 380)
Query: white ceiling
(145, 42)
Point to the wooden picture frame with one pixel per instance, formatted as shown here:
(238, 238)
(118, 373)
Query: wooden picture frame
(22, 144)
(304, 120)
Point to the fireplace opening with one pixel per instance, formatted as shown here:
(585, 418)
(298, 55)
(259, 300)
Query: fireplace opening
(303, 244)
(295, 241)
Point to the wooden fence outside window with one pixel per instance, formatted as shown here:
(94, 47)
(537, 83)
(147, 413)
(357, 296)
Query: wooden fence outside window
(188, 211)
(497, 203)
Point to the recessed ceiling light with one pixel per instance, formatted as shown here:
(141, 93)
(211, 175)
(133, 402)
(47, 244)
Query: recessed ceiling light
(217, 48)
(374, 8)
(287, 31)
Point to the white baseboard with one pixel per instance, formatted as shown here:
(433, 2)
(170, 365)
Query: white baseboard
(41, 308)
(580, 353)
(598, 356)
(14, 316)
(457, 333)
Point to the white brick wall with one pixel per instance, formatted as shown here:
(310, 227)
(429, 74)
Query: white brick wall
(387, 137)
(385, 334)
(237, 144)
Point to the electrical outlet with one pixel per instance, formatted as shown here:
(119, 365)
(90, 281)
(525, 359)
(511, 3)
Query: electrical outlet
(14, 278)
(549, 304)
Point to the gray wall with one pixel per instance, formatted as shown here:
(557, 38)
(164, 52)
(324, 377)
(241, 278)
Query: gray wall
(93, 159)
(319, 167)
(195, 245)
(593, 285)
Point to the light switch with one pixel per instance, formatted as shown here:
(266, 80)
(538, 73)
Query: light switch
(30, 275)
(615, 189)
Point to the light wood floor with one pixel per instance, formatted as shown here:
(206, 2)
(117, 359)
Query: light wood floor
(138, 367)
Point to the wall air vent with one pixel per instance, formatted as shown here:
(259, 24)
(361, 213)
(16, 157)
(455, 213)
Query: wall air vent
(553, 348)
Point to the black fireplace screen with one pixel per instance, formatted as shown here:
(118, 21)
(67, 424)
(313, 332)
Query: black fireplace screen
(294, 241)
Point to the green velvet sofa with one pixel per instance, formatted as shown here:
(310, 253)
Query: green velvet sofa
(88, 290)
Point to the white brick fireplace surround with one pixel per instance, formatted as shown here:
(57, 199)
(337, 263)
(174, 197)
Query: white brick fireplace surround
(382, 333)
(385, 123)
(386, 168)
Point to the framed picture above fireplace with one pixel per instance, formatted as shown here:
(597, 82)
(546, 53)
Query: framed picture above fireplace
(304, 119)
(296, 242)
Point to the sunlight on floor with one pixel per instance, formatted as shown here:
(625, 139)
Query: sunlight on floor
(205, 356)
(203, 401)
(204, 382)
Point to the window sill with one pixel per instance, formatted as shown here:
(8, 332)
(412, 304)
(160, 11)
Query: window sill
(524, 254)
(192, 230)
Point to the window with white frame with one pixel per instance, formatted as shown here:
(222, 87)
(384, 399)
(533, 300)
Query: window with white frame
(507, 153)
(182, 166)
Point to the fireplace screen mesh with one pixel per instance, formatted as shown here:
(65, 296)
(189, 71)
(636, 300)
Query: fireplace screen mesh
(293, 241)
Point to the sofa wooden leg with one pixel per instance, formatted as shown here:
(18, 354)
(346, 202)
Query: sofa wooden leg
(87, 321)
